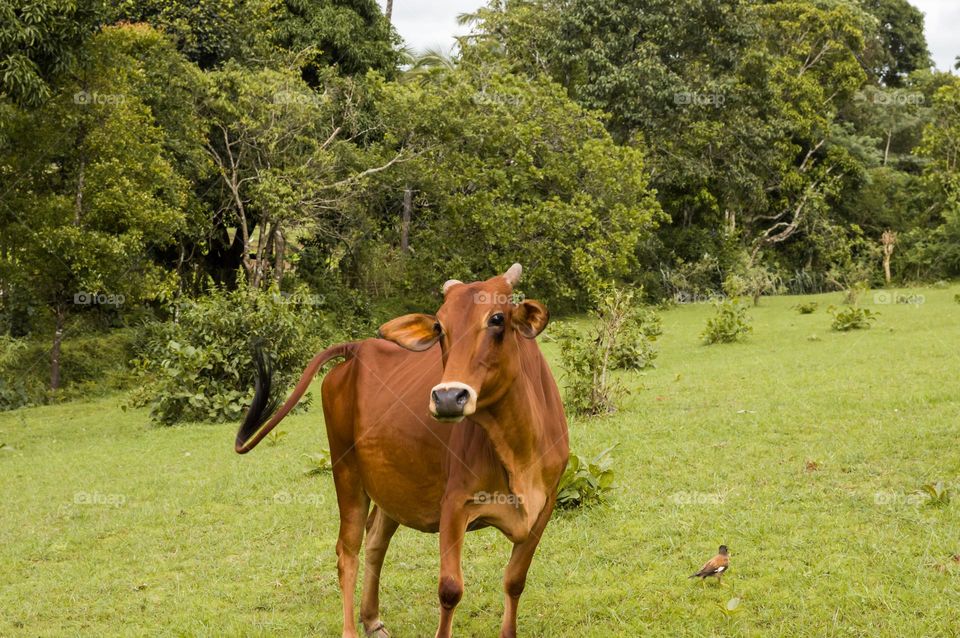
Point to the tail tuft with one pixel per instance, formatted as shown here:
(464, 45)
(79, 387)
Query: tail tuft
(263, 405)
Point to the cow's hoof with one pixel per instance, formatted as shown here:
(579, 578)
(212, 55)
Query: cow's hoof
(377, 631)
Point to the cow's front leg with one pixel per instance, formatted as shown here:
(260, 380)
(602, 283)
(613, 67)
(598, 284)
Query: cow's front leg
(453, 528)
(515, 576)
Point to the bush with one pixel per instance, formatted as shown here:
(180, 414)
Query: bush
(201, 367)
(586, 482)
(852, 318)
(807, 308)
(621, 337)
(728, 325)
(634, 346)
(752, 281)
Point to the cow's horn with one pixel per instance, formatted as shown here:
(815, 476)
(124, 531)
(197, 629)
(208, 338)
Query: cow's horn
(450, 283)
(513, 274)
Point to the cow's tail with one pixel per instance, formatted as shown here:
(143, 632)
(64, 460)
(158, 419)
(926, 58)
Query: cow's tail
(263, 414)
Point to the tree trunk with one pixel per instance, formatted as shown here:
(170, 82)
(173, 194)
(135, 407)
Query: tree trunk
(55, 351)
(78, 199)
(405, 224)
(279, 244)
(389, 11)
(886, 150)
(889, 242)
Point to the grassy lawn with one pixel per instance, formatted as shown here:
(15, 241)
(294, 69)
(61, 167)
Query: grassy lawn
(802, 453)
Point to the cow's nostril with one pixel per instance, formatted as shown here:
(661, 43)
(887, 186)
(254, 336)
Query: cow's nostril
(436, 398)
(462, 397)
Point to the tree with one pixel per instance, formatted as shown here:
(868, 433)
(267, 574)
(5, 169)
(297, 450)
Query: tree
(898, 46)
(97, 191)
(286, 157)
(38, 41)
(510, 162)
(352, 35)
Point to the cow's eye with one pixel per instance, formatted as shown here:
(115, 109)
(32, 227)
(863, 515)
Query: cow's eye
(496, 319)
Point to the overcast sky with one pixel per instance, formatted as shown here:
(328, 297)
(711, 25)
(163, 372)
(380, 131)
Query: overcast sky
(433, 23)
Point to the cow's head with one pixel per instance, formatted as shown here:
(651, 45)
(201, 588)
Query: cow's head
(478, 328)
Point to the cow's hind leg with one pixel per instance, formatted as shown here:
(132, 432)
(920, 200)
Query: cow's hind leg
(380, 529)
(515, 576)
(353, 503)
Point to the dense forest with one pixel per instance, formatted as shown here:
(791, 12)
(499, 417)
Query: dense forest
(178, 176)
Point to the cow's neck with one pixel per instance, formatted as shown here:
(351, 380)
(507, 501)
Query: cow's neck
(515, 432)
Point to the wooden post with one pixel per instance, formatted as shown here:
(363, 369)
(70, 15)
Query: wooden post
(405, 224)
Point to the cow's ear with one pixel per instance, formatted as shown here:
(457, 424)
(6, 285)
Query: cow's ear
(415, 332)
(530, 317)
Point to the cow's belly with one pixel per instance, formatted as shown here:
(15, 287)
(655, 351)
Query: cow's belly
(399, 446)
(402, 473)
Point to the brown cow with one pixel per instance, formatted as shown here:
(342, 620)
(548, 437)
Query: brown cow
(390, 410)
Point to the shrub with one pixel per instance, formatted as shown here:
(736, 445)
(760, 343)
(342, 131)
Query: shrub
(586, 482)
(752, 281)
(851, 318)
(621, 337)
(634, 348)
(807, 308)
(937, 494)
(201, 367)
(729, 324)
(318, 463)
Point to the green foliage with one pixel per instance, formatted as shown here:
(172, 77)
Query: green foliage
(318, 463)
(586, 482)
(752, 280)
(276, 437)
(511, 162)
(621, 337)
(201, 367)
(634, 348)
(807, 308)
(91, 363)
(38, 41)
(937, 493)
(730, 323)
(851, 317)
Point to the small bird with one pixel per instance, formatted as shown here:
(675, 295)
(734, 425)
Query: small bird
(716, 566)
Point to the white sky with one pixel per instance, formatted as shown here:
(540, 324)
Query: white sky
(433, 23)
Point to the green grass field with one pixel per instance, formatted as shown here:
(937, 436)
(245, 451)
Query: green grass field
(803, 454)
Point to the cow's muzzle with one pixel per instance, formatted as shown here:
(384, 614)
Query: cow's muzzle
(452, 401)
